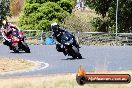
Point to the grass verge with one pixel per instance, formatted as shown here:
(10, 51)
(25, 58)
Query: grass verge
(14, 64)
(57, 81)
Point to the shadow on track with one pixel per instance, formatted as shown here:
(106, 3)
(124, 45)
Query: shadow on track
(72, 59)
(19, 52)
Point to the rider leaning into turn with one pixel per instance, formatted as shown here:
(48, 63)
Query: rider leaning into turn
(59, 31)
(8, 29)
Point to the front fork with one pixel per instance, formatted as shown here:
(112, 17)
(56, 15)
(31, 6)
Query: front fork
(66, 50)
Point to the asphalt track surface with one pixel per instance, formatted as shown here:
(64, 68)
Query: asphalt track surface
(94, 58)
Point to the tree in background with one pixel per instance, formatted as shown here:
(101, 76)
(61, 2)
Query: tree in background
(15, 7)
(4, 9)
(39, 14)
(80, 21)
(107, 9)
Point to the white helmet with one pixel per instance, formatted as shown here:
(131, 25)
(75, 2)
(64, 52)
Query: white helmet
(53, 24)
(4, 22)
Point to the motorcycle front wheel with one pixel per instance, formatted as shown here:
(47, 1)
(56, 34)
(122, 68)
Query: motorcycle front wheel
(75, 53)
(15, 51)
(25, 47)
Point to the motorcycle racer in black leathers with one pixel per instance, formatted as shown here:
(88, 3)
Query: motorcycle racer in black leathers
(58, 32)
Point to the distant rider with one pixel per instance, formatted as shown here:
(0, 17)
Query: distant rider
(7, 30)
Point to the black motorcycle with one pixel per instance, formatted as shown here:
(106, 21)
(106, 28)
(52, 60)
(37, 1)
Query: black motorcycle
(69, 46)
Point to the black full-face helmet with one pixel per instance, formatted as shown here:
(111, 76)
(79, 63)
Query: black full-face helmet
(55, 27)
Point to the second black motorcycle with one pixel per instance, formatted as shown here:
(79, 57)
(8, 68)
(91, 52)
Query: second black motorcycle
(68, 45)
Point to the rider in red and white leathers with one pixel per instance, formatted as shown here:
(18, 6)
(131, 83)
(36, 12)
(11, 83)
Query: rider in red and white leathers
(8, 28)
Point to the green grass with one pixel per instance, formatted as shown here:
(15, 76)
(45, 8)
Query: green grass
(53, 81)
